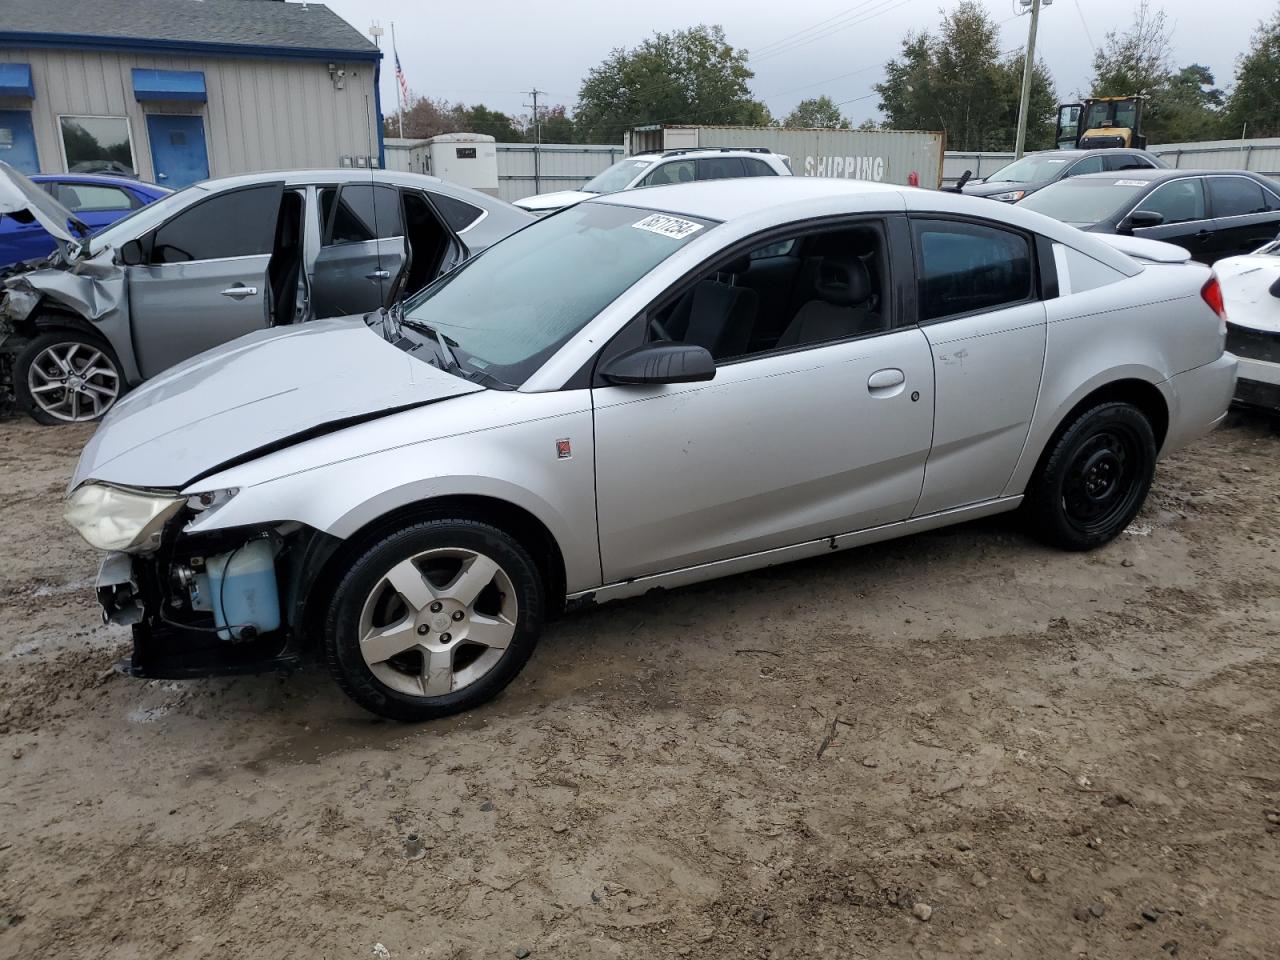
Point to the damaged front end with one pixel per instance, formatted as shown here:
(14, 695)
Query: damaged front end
(225, 602)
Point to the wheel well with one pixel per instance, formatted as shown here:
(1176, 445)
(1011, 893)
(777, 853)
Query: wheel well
(528, 530)
(51, 320)
(1141, 394)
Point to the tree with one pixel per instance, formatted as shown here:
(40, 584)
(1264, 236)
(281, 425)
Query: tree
(425, 117)
(557, 126)
(687, 76)
(816, 112)
(958, 83)
(480, 119)
(1255, 98)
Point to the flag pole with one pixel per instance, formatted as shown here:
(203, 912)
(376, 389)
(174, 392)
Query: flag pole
(399, 99)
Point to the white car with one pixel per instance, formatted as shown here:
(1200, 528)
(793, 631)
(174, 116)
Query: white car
(1251, 291)
(663, 169)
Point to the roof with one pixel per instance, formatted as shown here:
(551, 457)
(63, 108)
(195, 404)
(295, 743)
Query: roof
(685, 152)
(1164, 173)
(298, 29)
(730, 198)
(1075, 152)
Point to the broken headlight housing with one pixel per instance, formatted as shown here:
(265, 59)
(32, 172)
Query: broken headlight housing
(114, 518)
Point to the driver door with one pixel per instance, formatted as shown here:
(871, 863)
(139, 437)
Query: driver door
(204, 281)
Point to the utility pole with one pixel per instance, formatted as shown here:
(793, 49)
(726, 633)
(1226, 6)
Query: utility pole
(537, 140)
(1028, 66)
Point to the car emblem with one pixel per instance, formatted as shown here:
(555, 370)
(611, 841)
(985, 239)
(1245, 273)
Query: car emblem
(564, 449)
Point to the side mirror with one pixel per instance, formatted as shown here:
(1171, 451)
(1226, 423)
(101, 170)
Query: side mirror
(132, 254)
(661, 363)
(1142, 218)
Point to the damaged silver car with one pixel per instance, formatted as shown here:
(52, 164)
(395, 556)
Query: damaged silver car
(216, 261)
(645, 390)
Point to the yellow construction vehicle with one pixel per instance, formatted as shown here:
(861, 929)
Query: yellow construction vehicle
(1099, 122)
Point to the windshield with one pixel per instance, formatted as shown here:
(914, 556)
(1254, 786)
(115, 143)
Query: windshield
(1084, 201)
(1030, 170)
(141, 220)
(617, 177)
(509, 309)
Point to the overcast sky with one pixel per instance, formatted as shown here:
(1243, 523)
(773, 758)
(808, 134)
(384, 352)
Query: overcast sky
(490, 51)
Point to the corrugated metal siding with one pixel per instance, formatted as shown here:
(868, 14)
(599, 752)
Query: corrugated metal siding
(560, 166)
(262, 114)
(1261, 155)
(956, 162)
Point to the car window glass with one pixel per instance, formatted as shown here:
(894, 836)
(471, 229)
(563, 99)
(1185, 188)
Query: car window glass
(240, 223)
(1272, 200)
(458, 214)
(1235, 196)
(719, 168)
(831, 288)
(677, 171)
(1087, 165)
(1178, 202)
(365, 212)
(78, 197)
(966, 267)
(757, 168)
(1122, 161)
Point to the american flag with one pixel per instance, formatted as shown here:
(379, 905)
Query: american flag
(404, 84)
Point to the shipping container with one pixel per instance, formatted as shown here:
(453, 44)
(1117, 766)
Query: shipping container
(887, 156)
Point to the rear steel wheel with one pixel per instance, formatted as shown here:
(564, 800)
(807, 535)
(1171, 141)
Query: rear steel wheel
(434, 619)
(67, 378)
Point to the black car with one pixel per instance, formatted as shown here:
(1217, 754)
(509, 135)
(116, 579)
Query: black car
(1037, 170)
(1211, 213)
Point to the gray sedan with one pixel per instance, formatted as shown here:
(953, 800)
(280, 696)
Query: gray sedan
(216, 261)
(646, 390)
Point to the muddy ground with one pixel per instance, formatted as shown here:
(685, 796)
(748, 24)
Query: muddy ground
(1059, 755)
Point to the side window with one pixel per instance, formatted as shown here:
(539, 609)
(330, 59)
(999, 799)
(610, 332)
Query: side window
(757, 168)
(677, 171)
(1122, 161)
(1087, 165)
(241, 223)
(720, 168)
(79, 197)
(363, 212)
(458, 214)
(1178, 202)
(965, 267)
(788, 294)
(1235, 197)
(1272, 200)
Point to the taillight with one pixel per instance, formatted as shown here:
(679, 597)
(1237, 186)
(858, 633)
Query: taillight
(1212, 294)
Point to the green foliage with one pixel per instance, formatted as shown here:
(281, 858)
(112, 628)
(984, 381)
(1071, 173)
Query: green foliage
(1255, 99)
(816, 112)
(687, 76)
(425, 117)
(557, 126)
(957, 83)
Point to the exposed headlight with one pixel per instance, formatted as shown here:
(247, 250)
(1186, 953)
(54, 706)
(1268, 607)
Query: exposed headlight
(210, 500)
(112, 518)
(1008, 197)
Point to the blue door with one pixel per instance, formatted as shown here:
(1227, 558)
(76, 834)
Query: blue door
(18, 141)
(177, 149)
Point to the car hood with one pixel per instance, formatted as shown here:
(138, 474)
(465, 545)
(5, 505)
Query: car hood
(259, 393)
(986, 189)
(23, 200)
(546, 202)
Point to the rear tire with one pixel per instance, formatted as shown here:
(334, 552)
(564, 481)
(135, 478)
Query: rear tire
(434, 619)
(67, 376)
(1094, 479)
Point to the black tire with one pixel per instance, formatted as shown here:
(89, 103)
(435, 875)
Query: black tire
(36, 352)
(367, 573)
(1094, 478)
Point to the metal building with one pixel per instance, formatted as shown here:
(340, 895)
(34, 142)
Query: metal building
(179, 90)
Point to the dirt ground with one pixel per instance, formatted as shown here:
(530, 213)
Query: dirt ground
(960, 743)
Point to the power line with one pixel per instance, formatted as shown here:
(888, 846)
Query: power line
(885, 6)
(783, 40)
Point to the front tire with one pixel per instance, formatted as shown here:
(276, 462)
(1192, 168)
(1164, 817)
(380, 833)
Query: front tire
(66, 376)
(1094, 479)
(434, 619)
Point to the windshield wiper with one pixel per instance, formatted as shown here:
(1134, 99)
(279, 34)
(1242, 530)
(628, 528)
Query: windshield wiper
(446, 353)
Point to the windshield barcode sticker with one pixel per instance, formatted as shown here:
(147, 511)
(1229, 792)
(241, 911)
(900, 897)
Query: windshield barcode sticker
(663, 225)
(1130, 183)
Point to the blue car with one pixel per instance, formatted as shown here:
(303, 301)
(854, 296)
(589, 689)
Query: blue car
(96, 200)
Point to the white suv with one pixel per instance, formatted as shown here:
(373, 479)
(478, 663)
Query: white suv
(667, 167)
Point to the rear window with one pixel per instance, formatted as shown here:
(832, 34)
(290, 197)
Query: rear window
(458, 214)
(1082, 202)
(1236, 196)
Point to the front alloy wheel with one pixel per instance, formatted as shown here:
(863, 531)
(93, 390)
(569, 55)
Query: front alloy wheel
(67, 378)
(434, 619)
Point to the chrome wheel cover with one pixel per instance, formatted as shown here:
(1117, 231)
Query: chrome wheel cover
(73, 382)
(438, 622)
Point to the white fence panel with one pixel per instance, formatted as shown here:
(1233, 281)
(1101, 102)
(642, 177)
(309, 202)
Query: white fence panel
(526, 168)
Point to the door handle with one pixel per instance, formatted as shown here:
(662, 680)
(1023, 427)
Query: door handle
(378, 275)
(162, 176)
(886, 383)
(240, 291)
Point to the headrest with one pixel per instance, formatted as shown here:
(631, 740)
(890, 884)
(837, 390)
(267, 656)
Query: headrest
(740, 265)
(843, 283)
